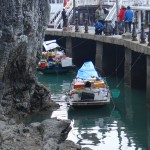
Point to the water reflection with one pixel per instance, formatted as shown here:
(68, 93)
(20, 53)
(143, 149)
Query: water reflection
(56, 83)
(86, 123)
(127, 127)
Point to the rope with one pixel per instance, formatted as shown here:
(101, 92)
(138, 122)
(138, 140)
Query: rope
(130, 70)
(116, 68)
(75, 45)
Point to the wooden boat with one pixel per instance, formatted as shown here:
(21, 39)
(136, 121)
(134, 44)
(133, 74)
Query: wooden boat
(54, 59)
(88, 89)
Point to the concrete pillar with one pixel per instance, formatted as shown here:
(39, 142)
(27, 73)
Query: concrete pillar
(148, 80)
(99, 55)
(69, 46)
(127, 67)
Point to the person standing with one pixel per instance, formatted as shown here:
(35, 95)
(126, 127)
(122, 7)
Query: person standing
(121, 16)
(99, 14)
(128, 16)
(121, 13)
(64, 17)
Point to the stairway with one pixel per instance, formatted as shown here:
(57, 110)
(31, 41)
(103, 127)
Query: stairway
(112, 13)
(56, 20)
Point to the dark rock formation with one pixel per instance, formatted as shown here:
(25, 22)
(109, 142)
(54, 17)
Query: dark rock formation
(22, 26)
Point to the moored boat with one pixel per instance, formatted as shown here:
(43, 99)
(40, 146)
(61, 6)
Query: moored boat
(54, 59)
(88, 88)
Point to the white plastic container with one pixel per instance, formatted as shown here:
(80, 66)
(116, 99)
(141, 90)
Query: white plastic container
(66, 62)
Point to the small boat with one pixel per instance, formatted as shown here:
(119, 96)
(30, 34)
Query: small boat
(54, 59)
(88, 88)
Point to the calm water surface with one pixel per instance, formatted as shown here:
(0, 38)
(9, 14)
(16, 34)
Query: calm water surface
(125, 127)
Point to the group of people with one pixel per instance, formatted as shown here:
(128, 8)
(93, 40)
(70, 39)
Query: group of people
(125, 15)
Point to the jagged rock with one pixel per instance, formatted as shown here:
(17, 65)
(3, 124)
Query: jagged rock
(22, 28)
(69, 145)
(51, 144)
(52, 128)
(86, 148)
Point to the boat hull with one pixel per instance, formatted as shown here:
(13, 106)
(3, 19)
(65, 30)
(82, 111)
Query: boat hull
(55, 69)
(77, 101)
(81, 104)
(52, 70)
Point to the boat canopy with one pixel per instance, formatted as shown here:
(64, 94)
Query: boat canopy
(49, 45)
(87, 71)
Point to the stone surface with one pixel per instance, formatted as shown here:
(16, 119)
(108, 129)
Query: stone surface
(22, 28)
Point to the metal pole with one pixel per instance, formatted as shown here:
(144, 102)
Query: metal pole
(74, 11)
(117, 9)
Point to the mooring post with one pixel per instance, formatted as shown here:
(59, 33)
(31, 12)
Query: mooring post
(107, 28)
(116, 28)
(86, 25)
(76, 23)
(134, 34)
(142, 36)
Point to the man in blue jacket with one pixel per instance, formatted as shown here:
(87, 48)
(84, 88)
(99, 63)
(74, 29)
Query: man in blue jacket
(98, 27)
(128, 16)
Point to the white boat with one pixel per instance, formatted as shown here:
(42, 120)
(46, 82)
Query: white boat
(54, 59)
(88, 88)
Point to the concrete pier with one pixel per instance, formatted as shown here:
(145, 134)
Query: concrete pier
(99, 55)
(127, 67)
(129, 47)
(69, 46)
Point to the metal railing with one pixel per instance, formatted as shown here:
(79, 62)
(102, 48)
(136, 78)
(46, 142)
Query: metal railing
(57, 21)
(112, 15)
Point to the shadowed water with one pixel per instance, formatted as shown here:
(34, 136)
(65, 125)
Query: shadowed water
(123, 127)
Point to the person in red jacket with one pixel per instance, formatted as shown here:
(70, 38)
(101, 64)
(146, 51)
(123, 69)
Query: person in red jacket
(121, 16)
(121, 13)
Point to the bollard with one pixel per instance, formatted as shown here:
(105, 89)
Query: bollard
(136, 19)
(107, 28)
(86, 26)
(116, 28)
(66, 22)
(142, 36)
(76, 22)
(134, 34)
(76, 25)
(149, 36)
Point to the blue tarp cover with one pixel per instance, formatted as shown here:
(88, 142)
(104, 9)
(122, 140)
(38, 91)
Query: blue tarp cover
(87, 71)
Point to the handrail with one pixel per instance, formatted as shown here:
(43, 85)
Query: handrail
(112, 13)
(58, 21)
(54, 16)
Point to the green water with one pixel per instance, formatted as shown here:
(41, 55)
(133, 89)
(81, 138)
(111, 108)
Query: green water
(127, 127)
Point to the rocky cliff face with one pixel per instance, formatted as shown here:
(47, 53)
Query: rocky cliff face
(22, 26)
